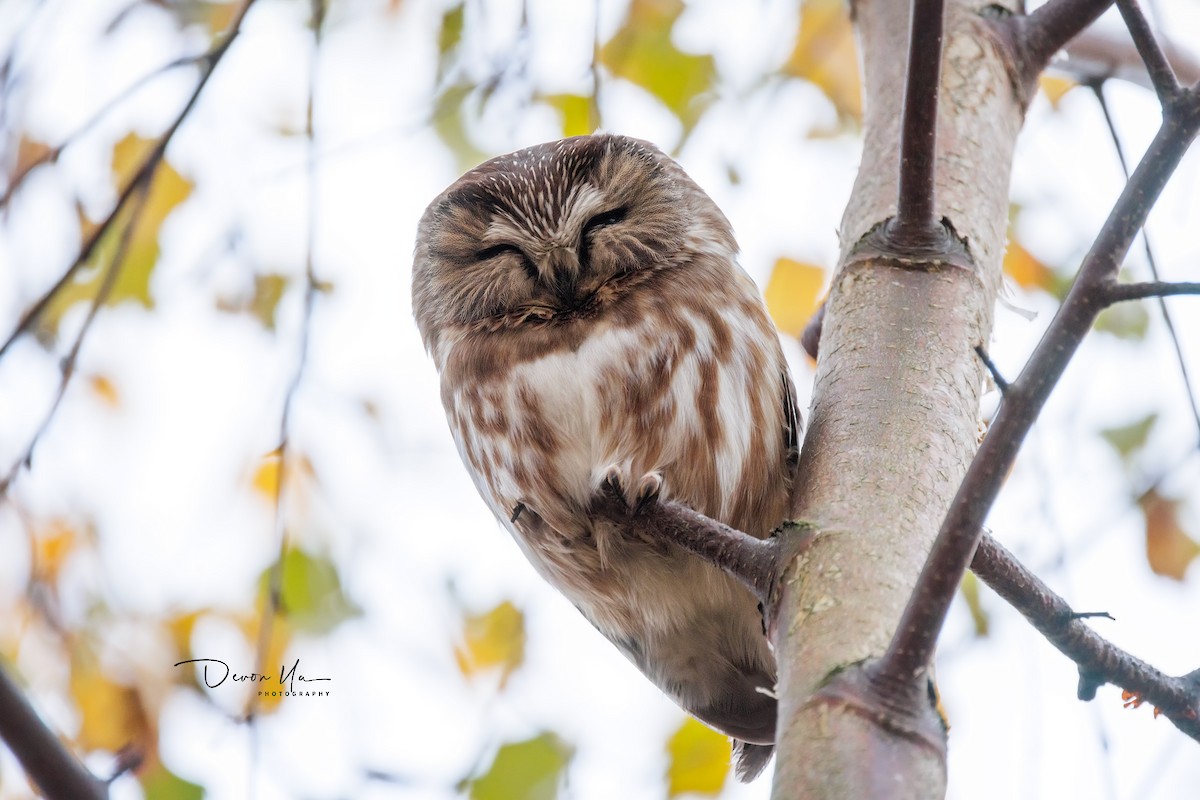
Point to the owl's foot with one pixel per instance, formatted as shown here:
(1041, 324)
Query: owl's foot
(645, 492)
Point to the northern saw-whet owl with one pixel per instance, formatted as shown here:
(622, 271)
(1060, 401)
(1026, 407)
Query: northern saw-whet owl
(583, 305)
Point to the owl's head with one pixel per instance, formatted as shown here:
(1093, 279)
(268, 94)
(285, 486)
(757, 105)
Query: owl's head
(555, 231)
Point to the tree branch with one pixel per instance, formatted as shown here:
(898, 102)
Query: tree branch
(274, 603)
(1099, 660)
(51, 767)
(1097, 55)
(914, 222)
(1166, 85)
(1120, 292)
(146, 168)
(1038, 36)
(912, 647)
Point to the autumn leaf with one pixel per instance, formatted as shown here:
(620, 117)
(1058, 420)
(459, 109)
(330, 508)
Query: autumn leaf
(1128, 321)
(1127, 440)
(111, 714)
(167, 190)
(1169, 548)
(529, 770)
(266, 477)
(576, 111)
(103, 387)
(792, 294)
(312, 595)
(1026, 269)
(53, 544)
(276, 655)
(698, 760)
(1054, 87)
(642, 53)
(159, 783)
(263, 301)
(969, 586)
(494, 639)
(826, 56)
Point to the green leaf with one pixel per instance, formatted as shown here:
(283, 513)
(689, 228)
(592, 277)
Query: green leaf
(642, 52)
(1125, 321)
(450, 123)
(449, 36)
(528, 770)
(162, 784)
(313, 599)
(979, 615)
(699, 760)
(1128, 439)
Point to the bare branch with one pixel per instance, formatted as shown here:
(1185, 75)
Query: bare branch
(55, 771)
(1185, 373)
(274, 604)
(67, 369)
(1048, 29)
(746, 558)
(912, 646)
(53, 153)
(1097, 55)
(1161, 74)
(918, 137)
(1120, 292)
(143, 172)
(1099, 661)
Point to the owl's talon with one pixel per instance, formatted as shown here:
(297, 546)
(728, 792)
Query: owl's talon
(649, 488)
(614, 482)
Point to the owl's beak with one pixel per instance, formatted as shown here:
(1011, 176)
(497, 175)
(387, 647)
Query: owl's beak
(562, 268)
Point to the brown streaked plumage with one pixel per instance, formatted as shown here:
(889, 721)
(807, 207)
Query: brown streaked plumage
(584, 307)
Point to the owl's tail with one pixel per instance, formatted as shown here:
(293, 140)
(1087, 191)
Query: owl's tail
(749, 760)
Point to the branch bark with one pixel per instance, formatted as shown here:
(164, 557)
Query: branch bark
(894, 419)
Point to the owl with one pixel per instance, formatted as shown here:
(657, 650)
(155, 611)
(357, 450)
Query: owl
(589, 322)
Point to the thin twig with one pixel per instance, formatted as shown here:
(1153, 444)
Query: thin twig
(147, 167)
(1098, 659)
(1161, 74)
(1098, 91)
(918, 145)
(52, 154)
(51, 767)
(912, 646)
(1119, 292)
(67, 369)
(1048, 29)
(274, 601)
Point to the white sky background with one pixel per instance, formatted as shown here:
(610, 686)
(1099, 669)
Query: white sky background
(167, 474)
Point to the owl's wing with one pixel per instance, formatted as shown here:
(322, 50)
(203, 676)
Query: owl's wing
(793, 423)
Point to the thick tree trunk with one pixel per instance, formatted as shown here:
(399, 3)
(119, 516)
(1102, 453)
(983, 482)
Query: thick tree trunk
(895, 407)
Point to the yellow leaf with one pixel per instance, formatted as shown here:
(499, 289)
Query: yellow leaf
(1169, 548)
(792, 294)
(969, 586)
(642, 52)
(105, 390)
(494, 639)
(111, 714)
(261, 698)
(266, 477)
(52, 544)
(1054, 87)
(825, 55)
(698, 760)
(576, 111)
(1024, 268)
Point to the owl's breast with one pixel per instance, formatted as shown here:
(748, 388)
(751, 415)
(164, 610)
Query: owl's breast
(679, 393)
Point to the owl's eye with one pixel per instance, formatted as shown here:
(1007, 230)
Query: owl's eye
(503, 248)
(599, 221)
(496, 250)
(604, 218)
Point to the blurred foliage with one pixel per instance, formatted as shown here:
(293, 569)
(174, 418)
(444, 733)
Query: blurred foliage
(116, 706)
(697, 760)
(531, 770)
